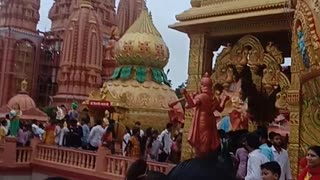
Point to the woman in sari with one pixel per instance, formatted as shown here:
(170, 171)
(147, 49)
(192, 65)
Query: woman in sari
(134, 148)
(49, 136)
(312, 170)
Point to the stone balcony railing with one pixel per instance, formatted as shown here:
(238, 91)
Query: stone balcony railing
(65, 162)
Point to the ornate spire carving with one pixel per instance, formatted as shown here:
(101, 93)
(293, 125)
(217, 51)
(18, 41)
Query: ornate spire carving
(62, 9)
(22, 14)
(81, 63)
(128, 12)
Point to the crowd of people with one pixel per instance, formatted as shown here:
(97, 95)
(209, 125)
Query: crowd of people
(67, 129)
(152, 145)
(254, 156)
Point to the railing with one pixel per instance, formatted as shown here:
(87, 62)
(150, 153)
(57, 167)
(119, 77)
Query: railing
(118, 165)
(1, 152)
(67, 156)
(85, 164)
(23, 155)
(160, 167)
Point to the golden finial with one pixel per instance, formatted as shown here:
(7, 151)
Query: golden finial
(24, 86)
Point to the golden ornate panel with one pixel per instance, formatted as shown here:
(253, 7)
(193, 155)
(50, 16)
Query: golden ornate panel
(304, 116)
(249, 51)
(310, 115)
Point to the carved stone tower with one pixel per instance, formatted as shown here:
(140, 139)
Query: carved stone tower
(128, 12)
(81, 62)
(22, 14)
(19, 46)
(62, 9)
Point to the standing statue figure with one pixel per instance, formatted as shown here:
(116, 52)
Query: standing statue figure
(203, 135)
(110, 48)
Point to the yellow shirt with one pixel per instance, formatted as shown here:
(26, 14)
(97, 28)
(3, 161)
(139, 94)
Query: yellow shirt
(2, 133)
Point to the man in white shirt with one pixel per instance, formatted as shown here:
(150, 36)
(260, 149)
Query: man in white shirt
(166, 142)
(95, 136)
(255, 157)
(281, 156)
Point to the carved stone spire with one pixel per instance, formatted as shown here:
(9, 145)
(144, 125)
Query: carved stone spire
(21, 14)
(62, 9)
(81, 63)
(128, 12)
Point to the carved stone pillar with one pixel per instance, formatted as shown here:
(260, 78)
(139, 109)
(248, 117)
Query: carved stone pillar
(200, 61)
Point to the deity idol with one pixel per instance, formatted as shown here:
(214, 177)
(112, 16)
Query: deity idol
(110, 48)
(237, 115)
(203, 135)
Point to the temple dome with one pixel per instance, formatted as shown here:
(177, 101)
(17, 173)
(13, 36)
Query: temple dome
(22, 99)
(142, 44)
(142, 101)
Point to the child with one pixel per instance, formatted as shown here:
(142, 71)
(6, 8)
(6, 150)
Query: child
(270, 171)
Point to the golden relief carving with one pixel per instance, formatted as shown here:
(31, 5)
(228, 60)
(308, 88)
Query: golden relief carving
(310, 114)
(316, 6)
(281, 101)
(275, 52)
(294, 158)
(305, 37)
(303, 110)
(196, 54)
(249, 51)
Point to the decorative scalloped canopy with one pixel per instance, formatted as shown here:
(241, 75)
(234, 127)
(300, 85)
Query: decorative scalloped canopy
(142, 44)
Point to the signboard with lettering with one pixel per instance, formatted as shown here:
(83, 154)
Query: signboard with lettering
(100, 104)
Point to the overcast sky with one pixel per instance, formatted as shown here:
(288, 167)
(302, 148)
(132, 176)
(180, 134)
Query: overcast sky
(163, 13)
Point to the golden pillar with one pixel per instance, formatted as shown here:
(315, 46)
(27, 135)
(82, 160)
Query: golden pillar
(200, 61)
(294, 102)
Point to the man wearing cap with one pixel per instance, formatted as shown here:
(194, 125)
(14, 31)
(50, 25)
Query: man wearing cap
(14, 123)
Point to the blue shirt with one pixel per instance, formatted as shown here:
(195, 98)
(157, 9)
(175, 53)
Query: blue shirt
(267, 151)
(86, 132)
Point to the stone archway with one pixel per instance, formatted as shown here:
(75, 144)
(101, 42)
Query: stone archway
(305, 86)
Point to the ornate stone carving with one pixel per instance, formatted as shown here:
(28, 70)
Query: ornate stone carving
(281, 101)
(84, 29)
(316, 6)
(271, 76)
(275, 52)
(249, 51)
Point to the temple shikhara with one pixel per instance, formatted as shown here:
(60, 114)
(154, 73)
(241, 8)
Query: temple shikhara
(88, 98)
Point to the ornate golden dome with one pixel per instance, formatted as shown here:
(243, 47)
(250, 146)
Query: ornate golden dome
(146, 102)
(142, 44)
(139, 84)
